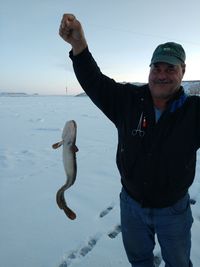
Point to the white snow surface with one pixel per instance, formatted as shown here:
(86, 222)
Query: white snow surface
(34, 232)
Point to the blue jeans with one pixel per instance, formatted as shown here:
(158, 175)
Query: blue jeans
(172, 225)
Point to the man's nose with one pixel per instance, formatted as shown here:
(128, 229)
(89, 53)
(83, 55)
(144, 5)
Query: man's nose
(162, 76)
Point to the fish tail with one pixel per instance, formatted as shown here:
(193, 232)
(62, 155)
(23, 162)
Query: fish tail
(63, 206)
(69, 213)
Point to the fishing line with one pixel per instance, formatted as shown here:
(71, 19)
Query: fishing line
(150, 35)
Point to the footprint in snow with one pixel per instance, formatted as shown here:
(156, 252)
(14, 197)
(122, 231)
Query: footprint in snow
(106, 211)
(192, 201)
(115, 231)
(88, 247)
(84, 250)
(79, 253)
(157, 260)
(48, 129)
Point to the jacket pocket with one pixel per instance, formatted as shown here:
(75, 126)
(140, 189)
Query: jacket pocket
(127, 158)
(181, 205)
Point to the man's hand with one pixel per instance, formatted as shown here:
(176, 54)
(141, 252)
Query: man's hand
(72, 32)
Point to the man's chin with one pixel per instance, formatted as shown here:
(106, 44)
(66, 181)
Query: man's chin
(161, 91)
(162, 97)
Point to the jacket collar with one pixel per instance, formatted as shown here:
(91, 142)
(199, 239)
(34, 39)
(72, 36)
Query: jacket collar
(176, 101)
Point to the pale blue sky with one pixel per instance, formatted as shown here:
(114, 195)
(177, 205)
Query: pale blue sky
(121, 35)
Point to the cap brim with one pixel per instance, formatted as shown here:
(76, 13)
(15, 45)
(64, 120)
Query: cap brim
(166, 59)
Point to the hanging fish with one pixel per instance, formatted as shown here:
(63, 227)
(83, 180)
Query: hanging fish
(69, 161)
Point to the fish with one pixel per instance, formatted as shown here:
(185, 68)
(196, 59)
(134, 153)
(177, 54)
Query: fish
(70, 149)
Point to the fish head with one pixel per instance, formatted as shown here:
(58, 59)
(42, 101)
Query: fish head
(69, 132)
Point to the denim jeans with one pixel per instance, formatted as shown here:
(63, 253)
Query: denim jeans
(172, 225)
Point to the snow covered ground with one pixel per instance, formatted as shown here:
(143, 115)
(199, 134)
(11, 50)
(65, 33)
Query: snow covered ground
(34, 232)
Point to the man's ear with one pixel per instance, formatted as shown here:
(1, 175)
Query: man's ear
(183, 66)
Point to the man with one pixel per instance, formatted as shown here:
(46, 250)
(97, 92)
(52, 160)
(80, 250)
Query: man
(158, 136)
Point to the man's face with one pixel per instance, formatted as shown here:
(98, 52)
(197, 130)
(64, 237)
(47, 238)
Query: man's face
(165, 79)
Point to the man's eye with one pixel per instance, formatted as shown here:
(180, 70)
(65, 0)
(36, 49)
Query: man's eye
(171, 70)
(155, 69)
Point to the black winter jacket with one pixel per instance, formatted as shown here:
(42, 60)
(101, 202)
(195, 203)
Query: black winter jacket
(158, 168)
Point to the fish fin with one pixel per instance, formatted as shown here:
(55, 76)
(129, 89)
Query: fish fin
(57, 145)
(74, 149)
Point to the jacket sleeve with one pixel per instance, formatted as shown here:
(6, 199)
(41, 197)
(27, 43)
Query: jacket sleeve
(107, 95)
(198, 129)
(195, 105)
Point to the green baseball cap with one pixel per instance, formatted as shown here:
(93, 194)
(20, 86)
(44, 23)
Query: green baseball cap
(170, 52)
